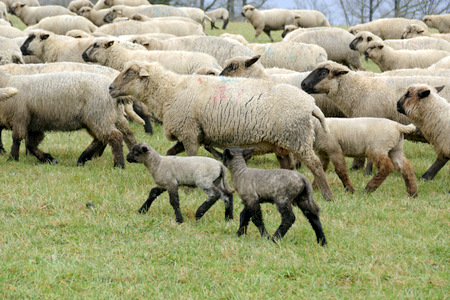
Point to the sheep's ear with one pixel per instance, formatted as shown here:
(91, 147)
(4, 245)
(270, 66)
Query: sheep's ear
(227, 154)
(252, 60)
(44, 37)
(380, 46)
(340, 72)
(247, 152)
(440, 88)
(143, 72)
(145, 149)
(420, 30)
(423, 94)
(109, 44)
(369, 38)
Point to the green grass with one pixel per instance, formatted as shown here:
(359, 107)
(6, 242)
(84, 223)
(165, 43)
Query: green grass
(382, 245)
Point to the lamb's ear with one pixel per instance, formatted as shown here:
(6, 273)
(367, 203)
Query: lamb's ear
(423, 94)
(247, 152)
(252, 60)
(440, 88)
(420, 30)
(380, 46)
(340, 72)
(44, 36)
(227, 154)
(109, 44)
(143, 72)
(145, 149)
(369, 38)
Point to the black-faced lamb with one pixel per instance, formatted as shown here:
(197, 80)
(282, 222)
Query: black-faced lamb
(284, 188)
(220, 112)
(431, 113)
(170, 172)
(440, 22)
(218, 14)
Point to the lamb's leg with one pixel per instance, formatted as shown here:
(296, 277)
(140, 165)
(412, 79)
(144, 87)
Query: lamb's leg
(244, 219)
(268, 34)
(257, 219)
(287, 219)
(403, 165)
(175, 149)
(213, 196)
(341, 170)
(225, 23)
(213, 26)
(214, 152)
(18, 134)
(154, 193)
(115, 141)
(384, 167)
(438, 164)
(228, 201)
(175, 202)
(32, 141)
(95, 148)
(314, 220)
(313, 163)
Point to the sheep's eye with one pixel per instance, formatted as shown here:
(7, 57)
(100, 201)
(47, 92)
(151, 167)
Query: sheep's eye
(95, 45)
(407, 95)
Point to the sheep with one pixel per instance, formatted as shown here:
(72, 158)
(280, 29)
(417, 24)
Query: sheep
(109, 3)
(271, 19)
(64, 23)
(141, 39)
(389, 28)
(78, 34)
(31, 15)
(170, 172)
(440, 22)
(218, 14)
(9, 3)
(4, 11)
(284, 188)
(335, 41)
(291, 55)
(75, 5)
(197, 15)
(411, 31)
(358, 95)
(220, 48)
(205, 116)
(444, 63)
(9, 52)
(389, 59)
(431, 113)
(95, 16)
(236, 37)
(310, 18)
(142, 18)
(145, 10)
(64, 101)
(289, 29)
(108, 52)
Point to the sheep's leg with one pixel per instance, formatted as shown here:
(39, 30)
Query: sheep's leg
(142, 111)
(341, 170)
(314, 220)
(228, 201)
(384, 167)
(191, 148)
(2, 148)
(175, 202)
(438, 164)
(357, 164)
(115, 141)
(369, 167)
(95, 148)
(175, 149)
(154, 193)
(213, 196)
(213, 26)
(257, 219)
(403, 165)
(287, 219)
(18, 134)
(214, 152)
(128, 135)
(268, 34)
(225, 23)
(244, 219)
(32, 141)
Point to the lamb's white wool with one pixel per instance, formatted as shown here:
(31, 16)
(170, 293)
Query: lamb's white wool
(389, 28)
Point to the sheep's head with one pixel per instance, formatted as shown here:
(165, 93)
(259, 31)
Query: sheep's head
(323, 78)
(353, 30)
(112, 14)
(240, 66)
(91, 54)
(33, 44)
(428, 20)
(109, 2)
(133, 73)
(248, 11)
(361, 40)
(412, 30)
(235, 154)
(85, 11)
(16, 7)
(288, 29)
(415, 100)
(139, 153)
(373, 50)
(148, 43)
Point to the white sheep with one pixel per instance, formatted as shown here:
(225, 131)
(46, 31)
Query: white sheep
(411, 31)
(110, 53)
(31, 15)
(290, 31)
(206, 117)
(444, 63)
(151, 11)
(267, 20)
(196, 14)
(10, 52)
(236, 37)
(388, 28)
(431, 113)
(78, 34)
(75, 5)
(95, 16)
(440, 22)
(310, 18)
(170, 172)
(218, 14)
(389, 59)
(109, 3)
(9, 3)
(63, 23)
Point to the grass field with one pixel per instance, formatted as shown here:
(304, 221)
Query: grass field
(383, 245)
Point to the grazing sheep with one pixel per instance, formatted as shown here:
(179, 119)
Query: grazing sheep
(389, 28)
(109, 3)
(95, 16)
(290, 55)
(142, 18)
(9, 52)
(389, 59)
(307, 18)
(284, 188)
(110, 53)
(151, 11)
(288, 34)
(170, 172)
(440, 22)
(75, 5)
(267, 20)
(198, 112)
(335, 41)
(411, 31)
(218, 14)
(64, 23)
(431, 113)
(64, 101)
(31, 15)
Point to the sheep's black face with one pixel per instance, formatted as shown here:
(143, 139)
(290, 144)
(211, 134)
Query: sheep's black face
(313, 79)
(355, 42)
(24, 48)
(400, 102)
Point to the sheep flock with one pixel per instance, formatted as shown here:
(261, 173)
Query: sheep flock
(306, 99)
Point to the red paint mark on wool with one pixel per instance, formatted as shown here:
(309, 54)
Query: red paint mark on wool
(199, 80)
(221, 96)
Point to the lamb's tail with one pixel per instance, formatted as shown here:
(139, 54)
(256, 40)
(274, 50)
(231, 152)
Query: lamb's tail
(406, 128)
(227, 187)
(321, 117)
(7, 92)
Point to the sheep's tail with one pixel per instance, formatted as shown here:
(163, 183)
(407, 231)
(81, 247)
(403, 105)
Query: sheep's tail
(406, 128)
(321, 117)
(223, 172)
(207, 18)
(132, 114)
(7, 92)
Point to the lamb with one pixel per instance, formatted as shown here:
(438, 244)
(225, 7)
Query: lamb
(142, 18)
(64, 101)
(145, 10)
(205, 116)
(170, 172)
(108, 52)
(389, 28)
(75, 5)
(335, 41)
(389, 59)
(9, 52)
(95, 16)
(9, 3)
(431, 113)
(218, 14)
(307, 18)
(64, 23)
(31, 15)
(271, 19)
(290, 55)
(411, 31)
(440, 22)
(284, 188)
(109, 3)
(197, 15)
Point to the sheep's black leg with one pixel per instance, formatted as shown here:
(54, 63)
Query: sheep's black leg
(175, 202)
(314, 220)
(214, 152)
(244, 219)
(438, 164)
(175, 149)
(225, 23)
(228, 201)
(357, 164)
(14, 154)
(257, 219)
(32, 141)
(287, 219)
(142, 112)
(154, 193)
(95, 149)
(213, 196)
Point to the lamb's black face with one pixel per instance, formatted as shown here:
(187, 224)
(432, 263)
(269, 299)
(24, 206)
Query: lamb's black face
(137, 151)
(313, 79)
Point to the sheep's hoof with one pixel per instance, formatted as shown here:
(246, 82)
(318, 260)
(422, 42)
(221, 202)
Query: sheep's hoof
(179, 221)
(350, 189)
(2, 150)
(119, 165)
(11, 158)
(49, 159)
(322, 242)
(142, 211)
(80, 163)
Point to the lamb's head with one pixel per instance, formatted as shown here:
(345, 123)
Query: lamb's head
(241, 66)
(98, 50)
(84, 11)
(416, 100)
(115, 12)
(361, 40)
(288, 29)
(353, 30)
(207, 71)
(323, 79)
(16, 7)
(35, 42)
(374, 50)
(428, 20)
(140, 153)
(109, 2)
(235, 156)
(412, 30)
(148, 43)
(248, 11)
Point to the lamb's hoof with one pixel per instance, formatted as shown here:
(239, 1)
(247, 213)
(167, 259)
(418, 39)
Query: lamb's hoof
(322, 242)
(369, 190)
(119, 165)
(80, 163)
(427, 177)
(90, 205)
(12, 158)
(179, 221)
(228, 218)
(49, 159)
(350, 189)
(142, 211)
(198, 216)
